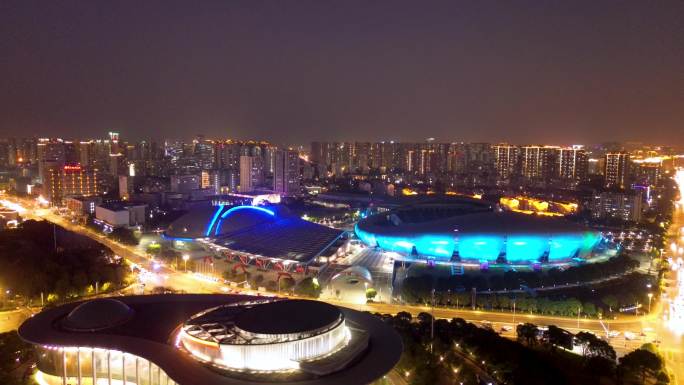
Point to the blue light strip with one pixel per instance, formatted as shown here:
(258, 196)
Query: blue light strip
(170, 238)
(236, 208)
(213, 220)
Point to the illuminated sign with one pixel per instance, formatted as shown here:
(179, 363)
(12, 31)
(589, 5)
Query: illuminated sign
(72, 167)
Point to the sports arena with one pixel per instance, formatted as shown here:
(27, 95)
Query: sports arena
(472, 231)
(209, 339)
(264, 233)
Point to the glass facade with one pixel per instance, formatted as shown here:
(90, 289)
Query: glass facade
(94, 366)
(273, 356)
(285, 355)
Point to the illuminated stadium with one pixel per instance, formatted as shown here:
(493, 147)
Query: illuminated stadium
(245, 337)
(471, 231)
(264, 231)
(209, 339)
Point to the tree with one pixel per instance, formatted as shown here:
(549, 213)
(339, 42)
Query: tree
(308, 287)
(610, 301)
(404, 315)
(527, 332)
(560, 337)
(287, 283)
(642, 362)
(600, 367)
(601, 348)
(424, 318)
(662, 378)
(371, 293)
(124, 235)
(589, 309)
(583, 339)
(13, 352)
(153, 249)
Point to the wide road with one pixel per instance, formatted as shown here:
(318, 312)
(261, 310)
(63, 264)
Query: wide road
(672, 338)
(191, 283)
(10, 320)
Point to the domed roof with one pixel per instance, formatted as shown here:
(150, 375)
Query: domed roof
(288, 317)
(356, 271)
(219, 220)
(97, 314)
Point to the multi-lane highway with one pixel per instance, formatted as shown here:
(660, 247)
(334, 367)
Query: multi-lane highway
(668, 324)
(10, 320)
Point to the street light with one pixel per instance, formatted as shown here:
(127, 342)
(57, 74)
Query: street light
(650, 295)
(185, 261)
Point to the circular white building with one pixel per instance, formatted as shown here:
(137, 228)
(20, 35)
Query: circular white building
(272, 336)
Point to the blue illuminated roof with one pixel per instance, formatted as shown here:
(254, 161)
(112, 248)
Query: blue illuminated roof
(268, 231)
(286, 238)
(433, 219)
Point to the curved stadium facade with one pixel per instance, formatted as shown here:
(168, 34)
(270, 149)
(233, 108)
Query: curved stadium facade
(474, 231)
(194, 339)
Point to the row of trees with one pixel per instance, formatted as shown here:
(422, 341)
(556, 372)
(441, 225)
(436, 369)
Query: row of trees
(37, 258)
(600, 358)
(308, 287)
(459, 349)
(459, 345)
(592, 300)
(514, 280)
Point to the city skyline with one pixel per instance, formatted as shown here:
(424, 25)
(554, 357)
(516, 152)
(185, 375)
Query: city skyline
(310, 192)
(520, 73)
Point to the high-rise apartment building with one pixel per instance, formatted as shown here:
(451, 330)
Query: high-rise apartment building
(286, 172)
(537, 162)
(505, 161)
(49, 151)
(251, 173)
(617, 169)
(648, 172)
(626, 206)
(125, 187)
(572, 163)
(204, 152)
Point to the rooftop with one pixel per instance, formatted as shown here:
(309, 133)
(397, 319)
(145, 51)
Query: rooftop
(120, 206)
(269, 231)
(97, 314)
(286, 317)
(448, 218)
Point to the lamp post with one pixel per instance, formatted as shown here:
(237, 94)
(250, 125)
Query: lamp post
(650, 295)
(579, 311)
(185, 261)
(432, 320)
(514, 313)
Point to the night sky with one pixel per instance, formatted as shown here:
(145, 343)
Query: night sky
(559, 72)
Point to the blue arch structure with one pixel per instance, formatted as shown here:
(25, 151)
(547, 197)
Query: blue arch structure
(229, 212)
(213, 220)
